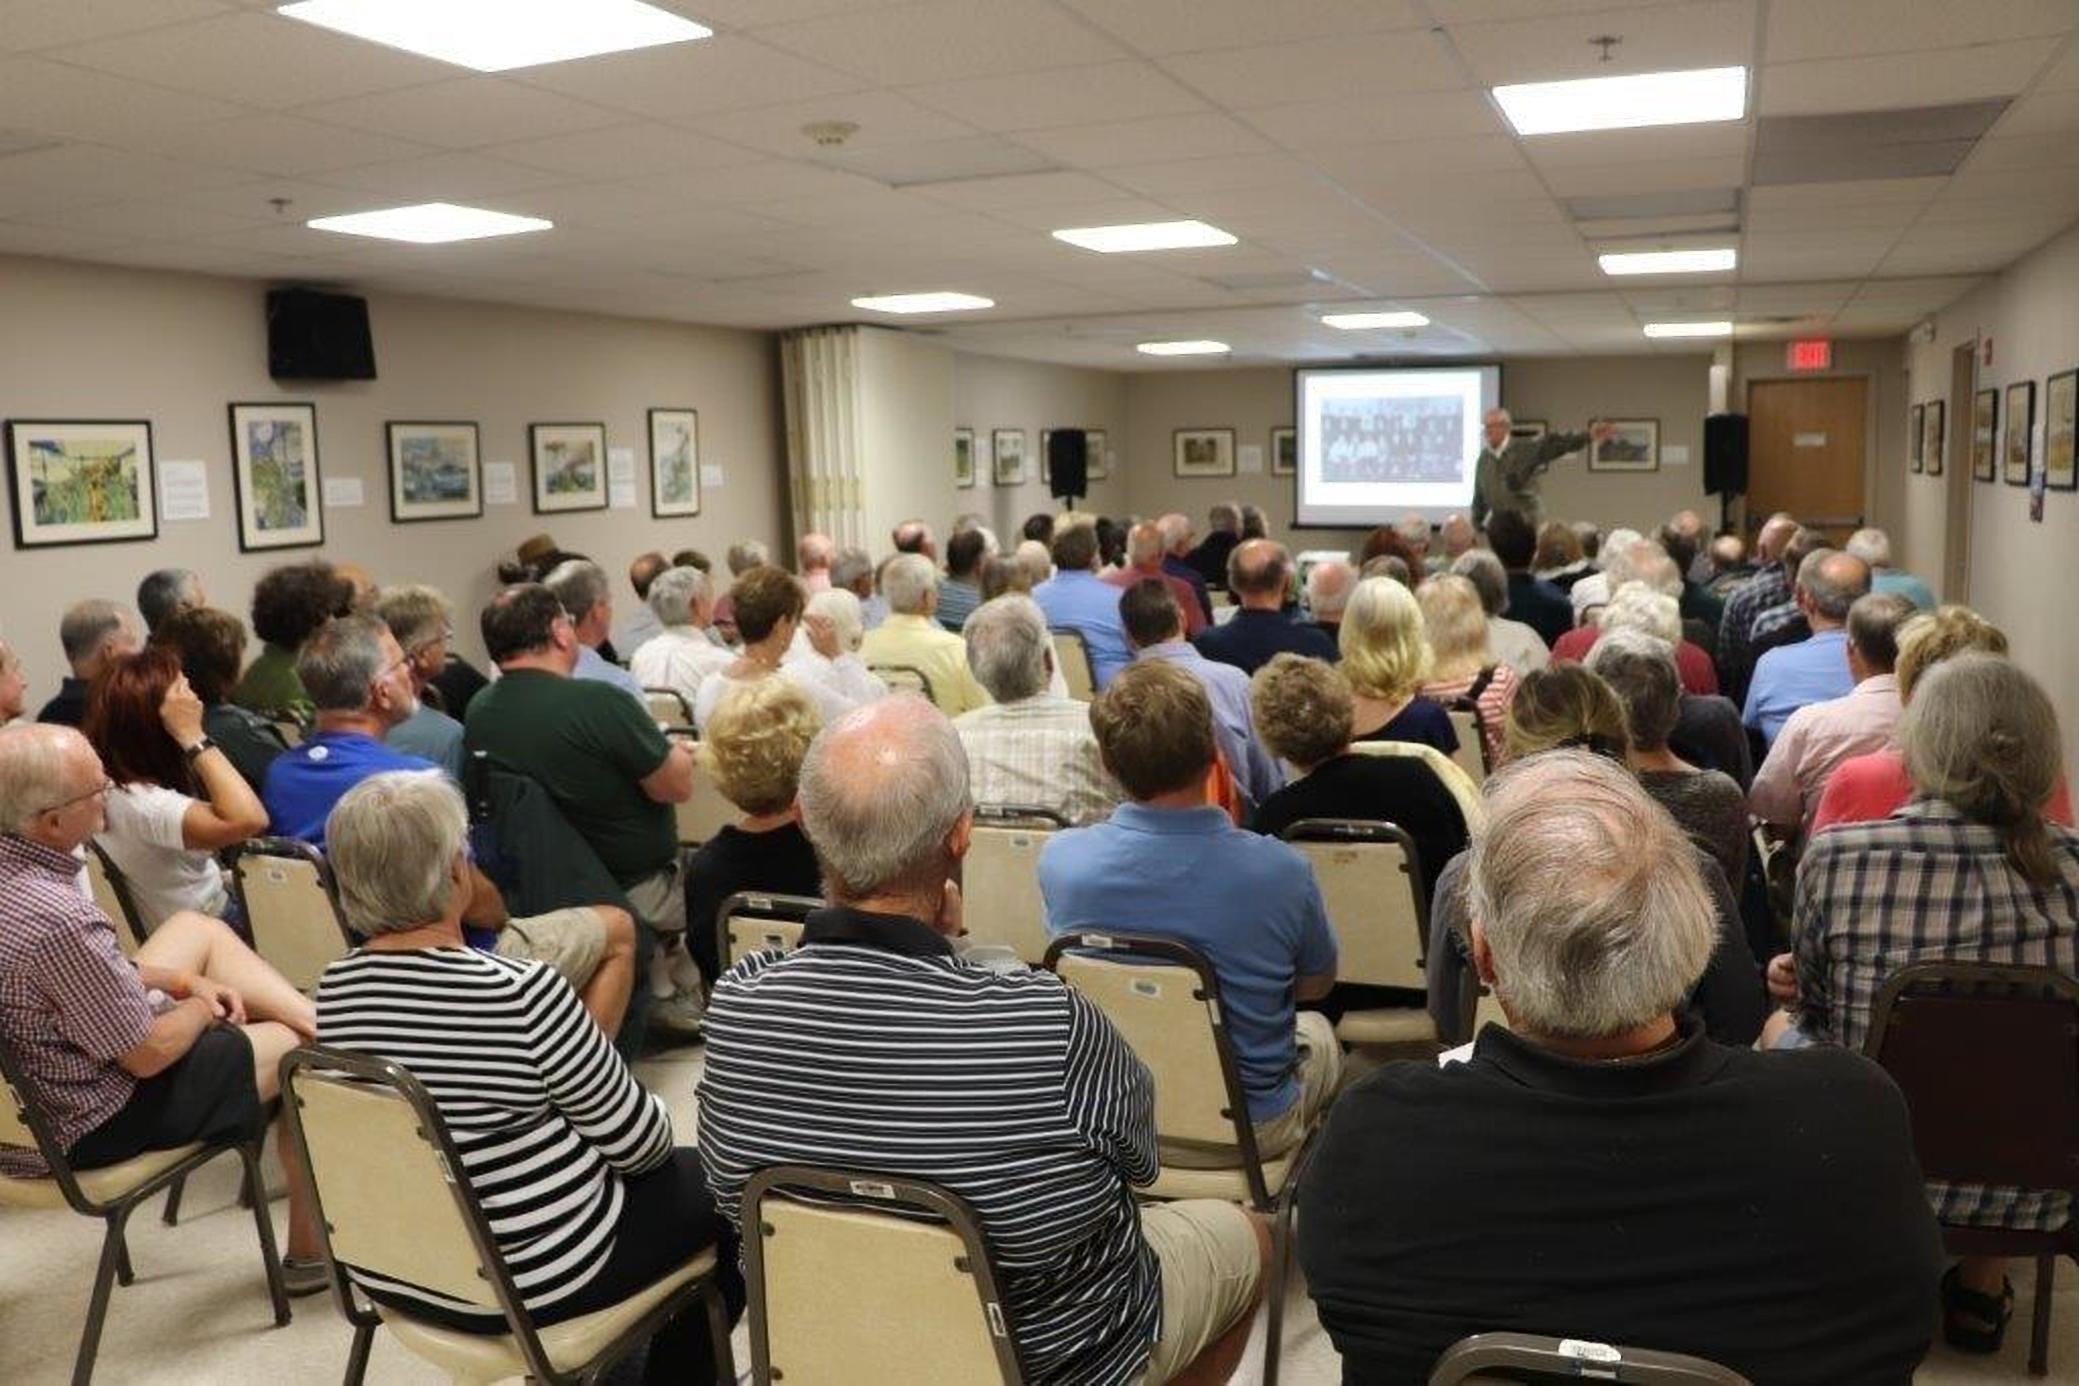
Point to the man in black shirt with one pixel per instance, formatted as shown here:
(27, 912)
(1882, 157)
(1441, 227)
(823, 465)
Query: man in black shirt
(1260, 571)
(1223, 532)
(1532, 600)
(94, 632)
(1602, 1170)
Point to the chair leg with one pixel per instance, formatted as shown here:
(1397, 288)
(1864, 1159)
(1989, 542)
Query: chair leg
(1274, 1325)
(2039, 1335)
(172, 1215)
(718, 1331)
(124, 1274)
(357, 1355)
(277, 1288)
(113, 1256)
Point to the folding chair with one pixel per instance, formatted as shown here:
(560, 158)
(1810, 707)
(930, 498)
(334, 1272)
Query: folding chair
(754, 921)
(391, 1202)
(1072, 653)
(904, 678)
(1371, 881)
(290, 730)
(1988, 1059)
(292, 907)
(1464, 789)
(113, 1194)
(1471, 726)
(708, 811)
(1000, 877)
(920, 1305)
(668, 706)
(113, 898)
(1532, 1357)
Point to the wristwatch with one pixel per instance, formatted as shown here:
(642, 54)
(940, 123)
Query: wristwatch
(194, 752)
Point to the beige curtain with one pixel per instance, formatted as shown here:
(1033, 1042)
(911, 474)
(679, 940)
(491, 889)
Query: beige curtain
(819, 370)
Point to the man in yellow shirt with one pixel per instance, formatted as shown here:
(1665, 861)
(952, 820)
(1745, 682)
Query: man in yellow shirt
(910, 636)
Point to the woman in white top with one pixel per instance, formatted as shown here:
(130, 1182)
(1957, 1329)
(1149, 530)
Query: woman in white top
(177, 799)
(844, 673)
(769, 606)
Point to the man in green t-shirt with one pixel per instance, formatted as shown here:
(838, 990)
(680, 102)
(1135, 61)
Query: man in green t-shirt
(612, 773)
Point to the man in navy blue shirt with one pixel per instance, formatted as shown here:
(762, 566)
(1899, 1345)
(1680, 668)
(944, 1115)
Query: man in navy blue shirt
(1532, 600)
(1259, 573)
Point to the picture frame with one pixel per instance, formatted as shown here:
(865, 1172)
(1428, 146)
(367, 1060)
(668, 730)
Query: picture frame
(274, 476)
(2060, 402)
(674, 463)
(2021, 427)
(1532, 430)
(1985, 433)
(1007, 456)
(1634, 447)
(963, 459)
(436, 470)
(1932, 435)
(1202, 452)
(569, 461)
(81, 481)
(1284, 452)
(1100, 466)
(1916, 436)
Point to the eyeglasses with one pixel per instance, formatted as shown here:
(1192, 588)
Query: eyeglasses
(96, 792)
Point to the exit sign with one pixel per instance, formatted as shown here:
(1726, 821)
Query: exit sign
(1811, 354)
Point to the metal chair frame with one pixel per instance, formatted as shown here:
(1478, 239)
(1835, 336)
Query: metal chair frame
(1056, 635)
(759, 904)
(131, 918)
(1572, 1359)
(684, 714)
(300, 850)
(903, 674)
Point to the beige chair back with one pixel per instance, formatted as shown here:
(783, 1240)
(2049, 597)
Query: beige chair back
(1073, 655)
(112, 897)
(706, 813)
(1371, 883)
(1471, 755)
(904, 678)
(754, 922)
(669, 708)
(1463, 787)
(14, 1123)
(1000, 879)
(291, 732)
(290, 908)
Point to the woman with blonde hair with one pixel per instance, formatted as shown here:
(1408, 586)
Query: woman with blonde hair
(1386, 657)
(1465, 670)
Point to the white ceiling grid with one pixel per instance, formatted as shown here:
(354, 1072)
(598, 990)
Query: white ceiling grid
(1351, 144)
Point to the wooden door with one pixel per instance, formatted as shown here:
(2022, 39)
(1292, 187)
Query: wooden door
(1806, 451)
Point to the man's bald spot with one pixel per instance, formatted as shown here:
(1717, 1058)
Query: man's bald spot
(643, 571)
(1842, 569)
(1775, 533)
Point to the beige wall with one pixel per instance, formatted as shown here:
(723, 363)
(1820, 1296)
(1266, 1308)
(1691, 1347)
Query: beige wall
(991, 392)
(96, 342)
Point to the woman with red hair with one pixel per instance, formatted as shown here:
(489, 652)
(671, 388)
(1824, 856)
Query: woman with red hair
(175, 797)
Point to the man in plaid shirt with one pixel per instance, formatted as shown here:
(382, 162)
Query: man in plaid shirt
(1768, 588)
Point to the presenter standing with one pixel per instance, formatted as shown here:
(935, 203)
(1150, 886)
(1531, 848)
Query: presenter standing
(1506, 475)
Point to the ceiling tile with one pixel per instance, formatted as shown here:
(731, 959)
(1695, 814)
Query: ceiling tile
(1311, 125)
(1059, 96)
(1658, 38)
(927, 41)
(1025, 190)
(1892, 81)
(1144, 141)
(1263, 172)
(1652, 175)
(622, 151)
(2056, 151)
(1190, 26)
(464, 113)
(883, 118)
(1325, 69)
(88, 170)
(50, 23)
(444, 177)
(2043, 113)
(159, 219)
(36, 94)
(685, 80)
(1716, 141)
(276, 144)
(1858, 193)
(1853, 28)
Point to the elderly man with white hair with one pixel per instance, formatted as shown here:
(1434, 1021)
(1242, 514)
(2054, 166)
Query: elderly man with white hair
(681, 655)
(912, 638)
(808, 1061)
(1031, 746)
(1329, 584)
(587, 597)
(1873, 546)
(836, 618)
(1505, 474)
(1144, 561)
(1637, 573)
(813, 555)
(1612, 567)
(1176, 561)
(1632, 1161)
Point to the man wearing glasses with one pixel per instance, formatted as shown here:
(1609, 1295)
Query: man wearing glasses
(420, 620)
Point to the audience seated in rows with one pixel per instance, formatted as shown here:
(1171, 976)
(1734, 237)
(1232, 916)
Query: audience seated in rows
(1249, 903)
(809, 1059)
(423, 625)
(680, 654)
(289, 603)
(1223, 533)
(912, 637)
(210, 645)
(1646, 1191)
(1076, 599)
(770, 606)
(1029, 746)
(1154, 627)
(1768, 587)
(165, 593)
(94, 634)
(1386, 658)
(1512, 642)
(1463, 669)
(1144, 555)
(1814, 669)
(1873, 546)
(1532, 600)
(1260, 576)
(1176, 559)
(541, 1110)
(1638, 571)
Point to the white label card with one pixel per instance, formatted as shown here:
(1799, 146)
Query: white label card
(1249, 457)
(183, 490)
(711, 476)
(343, 492)
(501, 483)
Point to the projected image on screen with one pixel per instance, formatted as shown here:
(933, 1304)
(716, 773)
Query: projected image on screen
(1418, 439)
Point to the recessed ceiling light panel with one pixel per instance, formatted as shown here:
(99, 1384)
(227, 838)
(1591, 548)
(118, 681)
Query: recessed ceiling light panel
(1358, 322)
(1199, 348)
(1695, 97)
(430, 223)
(499, 35)
(1669, 261)
(1689, 329)
(1151, 235)
(942, 302)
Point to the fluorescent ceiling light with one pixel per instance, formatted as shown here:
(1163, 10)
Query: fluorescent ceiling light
(1622, 103)
(1152, 235)
(924, 303)
(498, 35)
(430, 223)
(1668, 261)
(1182, 348)
(1357, 322)
(1689, 329)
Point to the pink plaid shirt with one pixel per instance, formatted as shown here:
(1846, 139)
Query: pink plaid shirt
(70, 1002)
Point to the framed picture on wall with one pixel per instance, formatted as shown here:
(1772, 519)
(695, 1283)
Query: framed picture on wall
(1284, 452)
(1634, 447)
(1007, 456)
(2021, 424)
(1931, 436)
(274, 474)
(1985, 429)
(81, 481)
(1916, 436)
(1099, 466)
(435, 473)
(963, 458)
(674, 463)
(1202, 451)
(2060, 396)
(569, 466)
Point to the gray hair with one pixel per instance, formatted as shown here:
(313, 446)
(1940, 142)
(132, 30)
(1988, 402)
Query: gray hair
(1650, 564)
(1638, 607)
(1873, 627)
(1414, 531)
(392, 841)
(340, 663)
(881, 788)
(1641, 669)
(1827, 578)
(1620, 541)
(415, 613)
(1871, 545)
(1034, 560)
(1329, 583)
(165, 591)
(1589, 897)
(846, 616)
(908, 582)
(1224, 517)
(1007, 646)
(580, 584)
(850, 566)
(86, 625)
(1485, 572)
(675, 593)
(1981, 735)
(32, 770)
(747, 554)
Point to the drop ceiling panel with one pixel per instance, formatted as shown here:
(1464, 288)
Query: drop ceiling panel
(465, 113)
(1716, 141)
(1892, 81)
(1329, 69)
(1191, 26)
(51, 23)
(1145, 141)
(2041, 152)
(1262, 172)
(2043, 113)
(36, 94)
(924, 42)
(1668, 37)
(883, 118)
(1027, 190)
(1309, 125)
(1850, 28)
(276, 144)
(685, 80)
(1648, 175)
(1432, 163)
(85, 171)
(1871, 192)
(443, 177)
(1059, 96)
(256, 60)
(623, 151)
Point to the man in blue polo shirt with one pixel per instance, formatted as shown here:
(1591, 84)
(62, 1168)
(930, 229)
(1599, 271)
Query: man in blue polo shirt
(1169, 863)
(1077, 599)
(1814, 670)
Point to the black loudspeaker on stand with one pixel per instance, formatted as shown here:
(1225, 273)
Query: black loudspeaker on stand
(1068, 463)
(1725, 459)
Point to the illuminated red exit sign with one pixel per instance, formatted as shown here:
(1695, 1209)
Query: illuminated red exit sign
(1811, 354)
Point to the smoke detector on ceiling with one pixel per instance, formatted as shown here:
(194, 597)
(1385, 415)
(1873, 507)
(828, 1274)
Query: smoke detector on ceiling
(830, 133)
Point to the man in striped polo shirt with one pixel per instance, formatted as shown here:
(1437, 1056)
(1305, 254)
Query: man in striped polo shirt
(876, 1046)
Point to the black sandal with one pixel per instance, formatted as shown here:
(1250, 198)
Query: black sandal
(1965, 1312)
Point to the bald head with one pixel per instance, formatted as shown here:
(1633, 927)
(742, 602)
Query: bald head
(1458, 535)
(914, 536)
(884, 799)
(644, 570)
(1828, 583)
(1256, 572)
(815, 553)
(1328, 589)
(1775, 533)
(48, 775)
(1144, 546)
(1176, 533)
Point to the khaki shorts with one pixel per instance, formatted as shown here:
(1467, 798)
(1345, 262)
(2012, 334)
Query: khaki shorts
(659, 900)
(1320, 1070)
(1211, 1267)
(572, 941)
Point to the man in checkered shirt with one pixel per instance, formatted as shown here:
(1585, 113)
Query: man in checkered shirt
(1769, 587)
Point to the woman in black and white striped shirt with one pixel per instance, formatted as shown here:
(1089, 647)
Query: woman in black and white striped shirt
(572, 1160)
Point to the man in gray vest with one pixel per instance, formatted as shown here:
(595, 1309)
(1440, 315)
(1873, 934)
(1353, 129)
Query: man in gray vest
(1505, 477)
